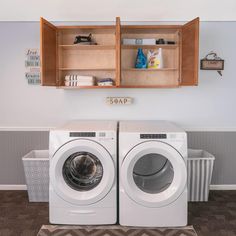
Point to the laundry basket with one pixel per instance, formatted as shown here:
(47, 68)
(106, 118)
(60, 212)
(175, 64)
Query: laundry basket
(200, 167)
(36, 167)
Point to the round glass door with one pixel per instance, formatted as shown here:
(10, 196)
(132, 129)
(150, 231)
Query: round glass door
(82, 171)
(153, 174)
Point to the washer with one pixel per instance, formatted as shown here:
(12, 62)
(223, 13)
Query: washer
(82, 187)
(152, 174)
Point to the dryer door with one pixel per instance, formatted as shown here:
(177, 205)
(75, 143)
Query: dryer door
(153, 174)
(82, 172)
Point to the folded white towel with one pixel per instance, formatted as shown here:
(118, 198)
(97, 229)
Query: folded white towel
(81, 78)
(85, 78)
(76, 83)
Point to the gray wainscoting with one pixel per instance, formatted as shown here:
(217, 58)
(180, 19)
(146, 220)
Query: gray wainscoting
(15, 144)
(223, 146)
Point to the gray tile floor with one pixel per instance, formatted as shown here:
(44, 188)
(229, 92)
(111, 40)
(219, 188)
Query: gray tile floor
(18, 217)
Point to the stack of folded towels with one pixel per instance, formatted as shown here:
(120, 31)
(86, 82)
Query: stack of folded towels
(79, 80)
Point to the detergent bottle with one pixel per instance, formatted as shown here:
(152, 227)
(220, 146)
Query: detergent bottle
(141, 60)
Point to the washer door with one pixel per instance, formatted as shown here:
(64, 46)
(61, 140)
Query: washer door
(153, 174)
(82, 172)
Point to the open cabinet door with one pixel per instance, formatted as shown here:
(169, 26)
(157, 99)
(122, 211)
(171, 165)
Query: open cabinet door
(48, 53)
(190, 52)
(118, 52)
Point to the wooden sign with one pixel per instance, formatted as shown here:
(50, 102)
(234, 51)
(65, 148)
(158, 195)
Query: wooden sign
(212, 64)
(119, 100)
(32, 65)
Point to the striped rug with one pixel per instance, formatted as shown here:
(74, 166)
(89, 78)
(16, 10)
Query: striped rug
(115, 230)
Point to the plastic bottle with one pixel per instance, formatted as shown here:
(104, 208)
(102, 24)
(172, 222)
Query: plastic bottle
(141, 60)
(155, 59)
(160, 58)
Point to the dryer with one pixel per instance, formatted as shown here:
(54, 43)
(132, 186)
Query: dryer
(152, 174)
(82, 187)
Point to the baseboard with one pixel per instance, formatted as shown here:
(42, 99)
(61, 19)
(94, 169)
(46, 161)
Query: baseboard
(24, 187)
(223, 187)
(13, 187)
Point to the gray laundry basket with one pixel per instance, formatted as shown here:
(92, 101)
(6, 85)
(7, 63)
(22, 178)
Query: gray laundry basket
(36, 167)
(200, 167)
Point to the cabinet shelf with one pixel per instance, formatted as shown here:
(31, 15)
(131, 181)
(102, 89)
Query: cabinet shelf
(87, 69)
(164, 46)
(87, 47)
(149, 86)
(149, 69)
(87, 87)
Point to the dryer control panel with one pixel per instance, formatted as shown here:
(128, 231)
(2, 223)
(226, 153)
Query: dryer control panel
(161, 136)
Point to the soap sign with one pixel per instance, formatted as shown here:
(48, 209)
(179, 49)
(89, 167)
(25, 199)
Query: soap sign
(32, 65)
(119, 100)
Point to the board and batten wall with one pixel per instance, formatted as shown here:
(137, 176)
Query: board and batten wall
(205, 111)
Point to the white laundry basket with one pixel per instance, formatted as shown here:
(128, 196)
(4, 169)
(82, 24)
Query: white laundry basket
(200, 167)
(36, 167)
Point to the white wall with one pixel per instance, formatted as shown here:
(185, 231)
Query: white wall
(106, 10)
(210, 105)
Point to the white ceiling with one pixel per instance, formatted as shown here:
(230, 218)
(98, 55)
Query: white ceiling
(107, 10)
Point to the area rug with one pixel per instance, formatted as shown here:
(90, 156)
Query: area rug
(115, 230)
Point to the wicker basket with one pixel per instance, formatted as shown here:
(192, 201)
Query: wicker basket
(200, 167)
(36, 167)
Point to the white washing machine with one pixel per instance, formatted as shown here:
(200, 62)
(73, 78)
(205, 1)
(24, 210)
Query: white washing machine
(83, 173)
(152, 174)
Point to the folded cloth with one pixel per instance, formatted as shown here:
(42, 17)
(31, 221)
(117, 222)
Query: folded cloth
(85, 78)
(105, 83)
(84, 84)
(79, 78)
(76, 83)
(106, 80)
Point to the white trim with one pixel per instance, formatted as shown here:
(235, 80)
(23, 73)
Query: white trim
(25, 128)
(13, 187)
(223, 187)
(210, 129)
(187, 128)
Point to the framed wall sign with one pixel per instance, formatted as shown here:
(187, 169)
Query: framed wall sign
(119, 100)
(212, 62)
(32, 65)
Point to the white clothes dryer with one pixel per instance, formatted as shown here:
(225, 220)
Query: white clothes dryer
(152, 174)
(82, 187)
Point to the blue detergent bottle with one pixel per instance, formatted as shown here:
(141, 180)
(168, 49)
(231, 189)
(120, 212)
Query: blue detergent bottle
(141, 60)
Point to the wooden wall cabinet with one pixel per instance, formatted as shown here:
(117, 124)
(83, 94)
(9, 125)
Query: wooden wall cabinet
(110, 58)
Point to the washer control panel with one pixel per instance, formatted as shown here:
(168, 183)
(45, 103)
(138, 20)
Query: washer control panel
(103, 135)
(83, 134)
(153, 136)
